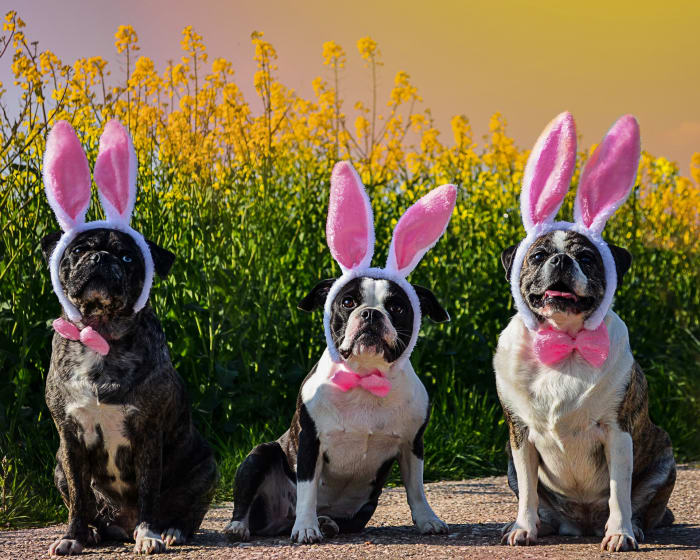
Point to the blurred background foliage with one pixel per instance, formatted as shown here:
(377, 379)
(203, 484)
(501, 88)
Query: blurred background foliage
(238, 190)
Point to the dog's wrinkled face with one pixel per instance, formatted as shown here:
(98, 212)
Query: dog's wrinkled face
(371, 318)
(102, 272)
(563, 274)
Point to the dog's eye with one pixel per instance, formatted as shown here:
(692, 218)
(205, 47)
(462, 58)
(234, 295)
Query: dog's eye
(396, 309)
(538, 257)
(126, 258)
(348, 302)
(76, 250)
(585, 258)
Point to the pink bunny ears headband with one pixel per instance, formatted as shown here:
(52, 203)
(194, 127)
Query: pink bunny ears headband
(606, 182)
(350, 236)
(67, 183)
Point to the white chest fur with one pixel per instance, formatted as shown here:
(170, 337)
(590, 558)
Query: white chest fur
(358, 431)
(567, 407)
(101, 424)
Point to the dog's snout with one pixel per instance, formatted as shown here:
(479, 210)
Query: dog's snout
(559, 261)
(369, 315)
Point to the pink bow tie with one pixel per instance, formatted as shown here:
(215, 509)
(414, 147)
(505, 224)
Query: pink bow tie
(88, 336)
(551, 346)
(375, 382)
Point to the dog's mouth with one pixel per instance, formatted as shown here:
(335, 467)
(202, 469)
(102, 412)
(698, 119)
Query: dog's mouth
(560, 297)
(367, 342)
(98, 300)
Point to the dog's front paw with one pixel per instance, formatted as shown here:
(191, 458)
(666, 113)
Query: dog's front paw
(306, 533)
(65, 547)
(172, 537)
(621, 541)
(431, 526)
(519, 534)
(237, 531)
(147, 542)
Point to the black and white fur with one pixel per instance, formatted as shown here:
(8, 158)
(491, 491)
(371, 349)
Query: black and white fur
(325, 474)
(584, 456)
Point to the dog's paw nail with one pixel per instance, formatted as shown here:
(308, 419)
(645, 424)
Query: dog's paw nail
(148, 542)
(432, 526)
(519, 537)
(65, 547)
(619, 542)
(237, 531)
(172, 537)
(306, 535)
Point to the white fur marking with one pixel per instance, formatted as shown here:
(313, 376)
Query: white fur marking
(89, 412)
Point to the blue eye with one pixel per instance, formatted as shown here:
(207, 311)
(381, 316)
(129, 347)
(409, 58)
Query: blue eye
(76, 250)
(126, 259)
(538, 257)
(585, 259)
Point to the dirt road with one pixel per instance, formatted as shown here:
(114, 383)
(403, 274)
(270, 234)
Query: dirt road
(475, 510)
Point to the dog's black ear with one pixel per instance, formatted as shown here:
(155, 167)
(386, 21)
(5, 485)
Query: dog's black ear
(316, 298)
(162, 259)
(623, 261)
(48, 244)
(430, 306)
(507, 259)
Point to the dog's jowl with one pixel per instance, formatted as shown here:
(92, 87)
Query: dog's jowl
(130, 463)
(584, 456)
(362, 406)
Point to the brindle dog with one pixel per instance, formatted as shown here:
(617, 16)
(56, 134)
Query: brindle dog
(130, 461)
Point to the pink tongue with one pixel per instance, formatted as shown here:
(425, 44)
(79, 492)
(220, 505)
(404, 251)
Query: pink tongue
(555, 293)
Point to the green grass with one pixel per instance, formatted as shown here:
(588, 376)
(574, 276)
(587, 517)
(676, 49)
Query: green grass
(236, 337)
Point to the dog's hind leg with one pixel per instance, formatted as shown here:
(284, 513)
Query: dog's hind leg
(184, 504)
(650, 493)
(264, 494)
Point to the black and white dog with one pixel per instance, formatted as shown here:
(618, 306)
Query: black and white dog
(584, 456)
(130, 461)
(362, 406)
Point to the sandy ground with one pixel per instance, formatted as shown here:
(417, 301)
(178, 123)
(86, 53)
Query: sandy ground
(475, 510)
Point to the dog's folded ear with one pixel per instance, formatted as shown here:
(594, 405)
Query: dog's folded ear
(48, 243)
(623, 261)
(430, 306)
(162, 259)
(507, 259)
(316, 298)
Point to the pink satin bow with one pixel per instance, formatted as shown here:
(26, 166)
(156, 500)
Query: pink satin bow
(375, 382)
(551, 346)
(88, 336)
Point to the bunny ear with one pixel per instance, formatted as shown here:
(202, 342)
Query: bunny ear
(115, 173)
(66, 176)
(548, 172)
(419, 229)
(349, 227)
(609, 175)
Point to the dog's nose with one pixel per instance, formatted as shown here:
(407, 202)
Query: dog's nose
(95, 258)
(560, 261)
(369, 315)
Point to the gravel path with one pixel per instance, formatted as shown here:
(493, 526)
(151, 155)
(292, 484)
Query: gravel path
(475, 510)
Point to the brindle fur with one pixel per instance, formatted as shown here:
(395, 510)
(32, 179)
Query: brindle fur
(167, 469)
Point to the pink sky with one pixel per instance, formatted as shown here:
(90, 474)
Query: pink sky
(529, 60)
